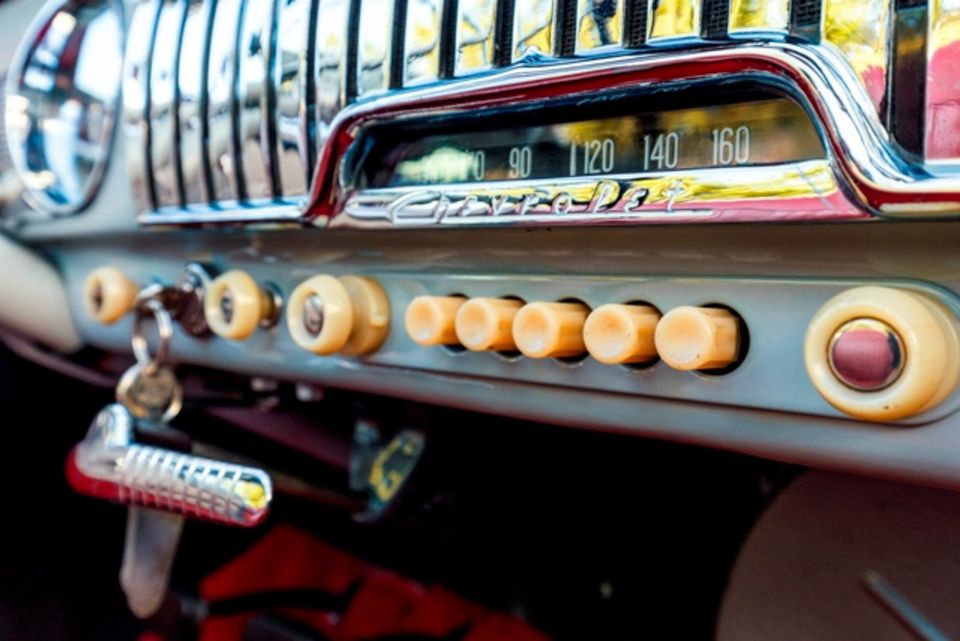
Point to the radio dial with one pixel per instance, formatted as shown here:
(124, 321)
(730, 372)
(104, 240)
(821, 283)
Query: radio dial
(350, 315)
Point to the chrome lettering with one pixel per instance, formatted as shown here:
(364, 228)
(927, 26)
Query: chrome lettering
(561, 203)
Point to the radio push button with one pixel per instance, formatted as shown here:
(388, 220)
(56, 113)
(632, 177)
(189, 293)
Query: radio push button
(621, 334)
(108, 294)
(698, 338)
(350, 315)
(486, 324)
(550, 330)
(235, 305)
(881, 354)
(431, 320)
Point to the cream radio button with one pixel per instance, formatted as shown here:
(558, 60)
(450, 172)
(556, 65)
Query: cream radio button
(350, 314)
(550, 330)
(431, 320)
(698, 338)
(881, 354)
(486, 324)
(619, 334)
(234, 305)
(108, 294)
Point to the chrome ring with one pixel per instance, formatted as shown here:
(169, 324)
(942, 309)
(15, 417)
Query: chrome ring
(141, 349)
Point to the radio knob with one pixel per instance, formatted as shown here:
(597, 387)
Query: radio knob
(108, 294)
(619, 334)
(431, 320)
(550, 330)
(698, 338)
(350, 314)
(486, 324)
(234, 305)
(881, 354)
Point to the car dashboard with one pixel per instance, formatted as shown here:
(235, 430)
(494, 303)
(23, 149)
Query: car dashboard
(730, 225)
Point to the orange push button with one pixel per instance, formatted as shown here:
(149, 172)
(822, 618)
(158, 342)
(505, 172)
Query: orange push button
(694, 338)
(486, 324)
(550, 330)
(431, 320)
(619, 334)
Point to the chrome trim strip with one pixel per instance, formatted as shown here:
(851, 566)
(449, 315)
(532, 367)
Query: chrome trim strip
(190, 79)
(374, 46)
(222, 104)
(671, 20)
(330, 63)
(289, 77)
(534, 28)
(943, 83)
(475, 32)
(797, 191)
(600, 25)
(421, 45)
(254, 159)
(164, 145)
(136, 96)
(227, 213)
(752, 17)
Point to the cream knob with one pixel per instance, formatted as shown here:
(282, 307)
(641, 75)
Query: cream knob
(371, 315)
(618, 334)
(234, 305)
(431, 320)
(881, 354)
(326, 315)
(550, 330)
(695, 338)
(486, 324)
(108, 294)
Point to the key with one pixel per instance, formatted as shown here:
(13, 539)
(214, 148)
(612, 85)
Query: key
(151, 393)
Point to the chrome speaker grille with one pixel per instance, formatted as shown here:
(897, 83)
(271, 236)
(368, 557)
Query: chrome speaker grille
(229, 103)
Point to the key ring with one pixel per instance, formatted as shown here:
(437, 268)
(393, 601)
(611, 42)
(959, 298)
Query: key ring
(147, 306)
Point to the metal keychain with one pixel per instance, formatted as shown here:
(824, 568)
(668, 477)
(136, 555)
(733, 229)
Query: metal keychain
(150, 390)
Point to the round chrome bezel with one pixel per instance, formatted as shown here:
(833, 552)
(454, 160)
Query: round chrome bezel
(39, 197)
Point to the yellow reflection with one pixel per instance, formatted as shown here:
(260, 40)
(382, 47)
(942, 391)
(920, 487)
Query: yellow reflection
(533, 27)
(599, 24)
(373, 50)
(944, 23)
(759, 15)
(861, 30)
(674, 19)
(475, 22)
(422, 59)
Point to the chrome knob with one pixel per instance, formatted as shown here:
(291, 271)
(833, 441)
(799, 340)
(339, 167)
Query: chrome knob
(108, 464)
(866, 354)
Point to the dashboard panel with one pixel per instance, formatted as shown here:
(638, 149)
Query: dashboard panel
(745, 171)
